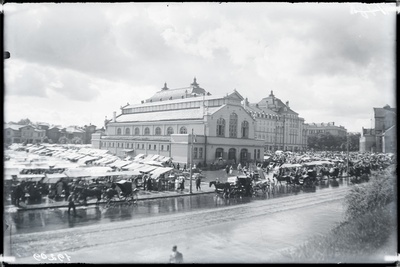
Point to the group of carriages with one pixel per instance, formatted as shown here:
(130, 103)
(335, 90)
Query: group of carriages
(108, 187)
(306, 175)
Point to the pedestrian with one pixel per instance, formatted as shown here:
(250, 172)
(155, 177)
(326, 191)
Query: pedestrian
(239, 167)
(144, 182)
(183, 183)
(71, 203)
(227, 169)
(149, 184)
(231, 170)
(176, 256)
(198, 183)
(178, 166)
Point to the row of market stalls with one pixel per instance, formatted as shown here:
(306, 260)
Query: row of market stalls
(50, 163)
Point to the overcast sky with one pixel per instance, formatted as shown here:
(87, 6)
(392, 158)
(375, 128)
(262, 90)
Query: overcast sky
(74, 64)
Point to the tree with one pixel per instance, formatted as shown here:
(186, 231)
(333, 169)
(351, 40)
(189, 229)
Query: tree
(63, 140)
(76, 140)
(24, 122)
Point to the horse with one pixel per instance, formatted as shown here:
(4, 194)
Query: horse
(224, 188)
(334, 173)
(17, 194)
(84, 193)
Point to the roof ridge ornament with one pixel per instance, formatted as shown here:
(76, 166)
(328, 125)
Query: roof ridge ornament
(194, 84)
(165, 86)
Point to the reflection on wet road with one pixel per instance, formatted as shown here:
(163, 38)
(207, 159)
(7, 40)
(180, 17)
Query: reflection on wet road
(58, 218)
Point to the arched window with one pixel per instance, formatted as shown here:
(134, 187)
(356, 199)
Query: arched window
(170, 130)
(158, 131)
(245, 129)
(232, 154)
(183, 130)
(147, 131)
(127, 131)
(137, 131)
(233, 120)
(221, 127)
(119, 131)
(219, 152)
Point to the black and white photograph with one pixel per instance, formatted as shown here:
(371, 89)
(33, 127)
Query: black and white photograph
(199, 133)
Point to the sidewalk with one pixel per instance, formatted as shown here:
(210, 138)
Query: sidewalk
(142, 195)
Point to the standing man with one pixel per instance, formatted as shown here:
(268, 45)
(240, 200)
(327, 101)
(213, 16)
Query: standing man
(198, 183)
(227, 169)
(71, 203)
(176, 256)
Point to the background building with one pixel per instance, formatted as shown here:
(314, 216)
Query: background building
(383, 137)
(278, 125)
(182, 122)
(330, 127)
(30, 134)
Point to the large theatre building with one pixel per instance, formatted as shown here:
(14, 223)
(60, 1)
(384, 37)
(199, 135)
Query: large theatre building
(175, 122)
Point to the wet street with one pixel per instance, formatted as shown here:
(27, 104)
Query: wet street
(206, 228)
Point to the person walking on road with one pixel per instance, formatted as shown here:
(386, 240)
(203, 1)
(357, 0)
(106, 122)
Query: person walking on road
(198, 183)
(175, 256)
(71, 203)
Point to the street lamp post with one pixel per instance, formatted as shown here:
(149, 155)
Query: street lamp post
(347, 141)
(191, 161)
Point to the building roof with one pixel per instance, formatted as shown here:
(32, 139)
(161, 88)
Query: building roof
(381, 112)
(167, 115)
(390, 129)
(256, 108)
(234, 95)
(277, 105)
(14, 127)
(169, 94)
(73, 129)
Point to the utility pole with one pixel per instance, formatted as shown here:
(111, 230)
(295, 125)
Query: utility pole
(191, 161)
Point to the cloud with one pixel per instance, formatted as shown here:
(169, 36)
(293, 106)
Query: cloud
(328, 62)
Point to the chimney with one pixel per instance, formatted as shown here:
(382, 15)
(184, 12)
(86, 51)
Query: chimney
(287, 103)
(114, 116)
(333, 123)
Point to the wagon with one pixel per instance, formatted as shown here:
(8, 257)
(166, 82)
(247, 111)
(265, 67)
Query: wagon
(128, 194)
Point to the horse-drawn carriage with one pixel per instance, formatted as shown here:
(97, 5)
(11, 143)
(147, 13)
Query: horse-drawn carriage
(121, 191)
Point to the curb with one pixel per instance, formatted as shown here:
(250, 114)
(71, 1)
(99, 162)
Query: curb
(118, 201)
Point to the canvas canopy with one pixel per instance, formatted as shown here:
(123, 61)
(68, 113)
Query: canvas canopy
(289, 165)
(159, 171)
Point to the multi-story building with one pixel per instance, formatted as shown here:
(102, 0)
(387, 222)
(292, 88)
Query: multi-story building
(12, 133)
(383, 137)
(182, 122)
(30, 134)
(385, 118)
(330, 127)
(278, 125)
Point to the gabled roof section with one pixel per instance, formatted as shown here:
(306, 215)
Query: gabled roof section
(14, 127)
(236, 95)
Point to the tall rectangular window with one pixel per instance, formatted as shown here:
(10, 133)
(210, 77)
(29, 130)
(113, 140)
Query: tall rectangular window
(200, 153)
(195, 153)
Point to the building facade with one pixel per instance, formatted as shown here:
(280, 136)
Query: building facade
(187, 124)
(330, 127)
(367, 140)
(14, 133)
(278, 125)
